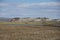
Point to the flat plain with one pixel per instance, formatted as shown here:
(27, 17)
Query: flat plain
(17, 32)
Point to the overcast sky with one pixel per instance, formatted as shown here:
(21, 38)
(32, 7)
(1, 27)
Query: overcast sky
(30, 8)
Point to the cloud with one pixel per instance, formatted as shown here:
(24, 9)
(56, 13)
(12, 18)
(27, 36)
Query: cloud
(42, 4)
(2, 14)
(50, 10)
(4, 4)
(27, 5)
(7, 5)
(29, 9)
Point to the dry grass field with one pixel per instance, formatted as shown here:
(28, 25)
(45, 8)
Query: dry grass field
(11, 32)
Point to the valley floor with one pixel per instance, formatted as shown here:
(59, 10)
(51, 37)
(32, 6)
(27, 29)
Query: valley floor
(14, 32)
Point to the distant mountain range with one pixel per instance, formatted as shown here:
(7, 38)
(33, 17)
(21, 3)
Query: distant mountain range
(2, 19)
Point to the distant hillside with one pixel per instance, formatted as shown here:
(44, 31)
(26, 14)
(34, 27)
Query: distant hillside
(2, 19)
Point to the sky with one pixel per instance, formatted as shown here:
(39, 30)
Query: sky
(30, 8)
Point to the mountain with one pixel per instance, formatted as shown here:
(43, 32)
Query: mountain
(3, 19)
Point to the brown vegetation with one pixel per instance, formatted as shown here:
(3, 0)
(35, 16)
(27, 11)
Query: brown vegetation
(9, 32)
